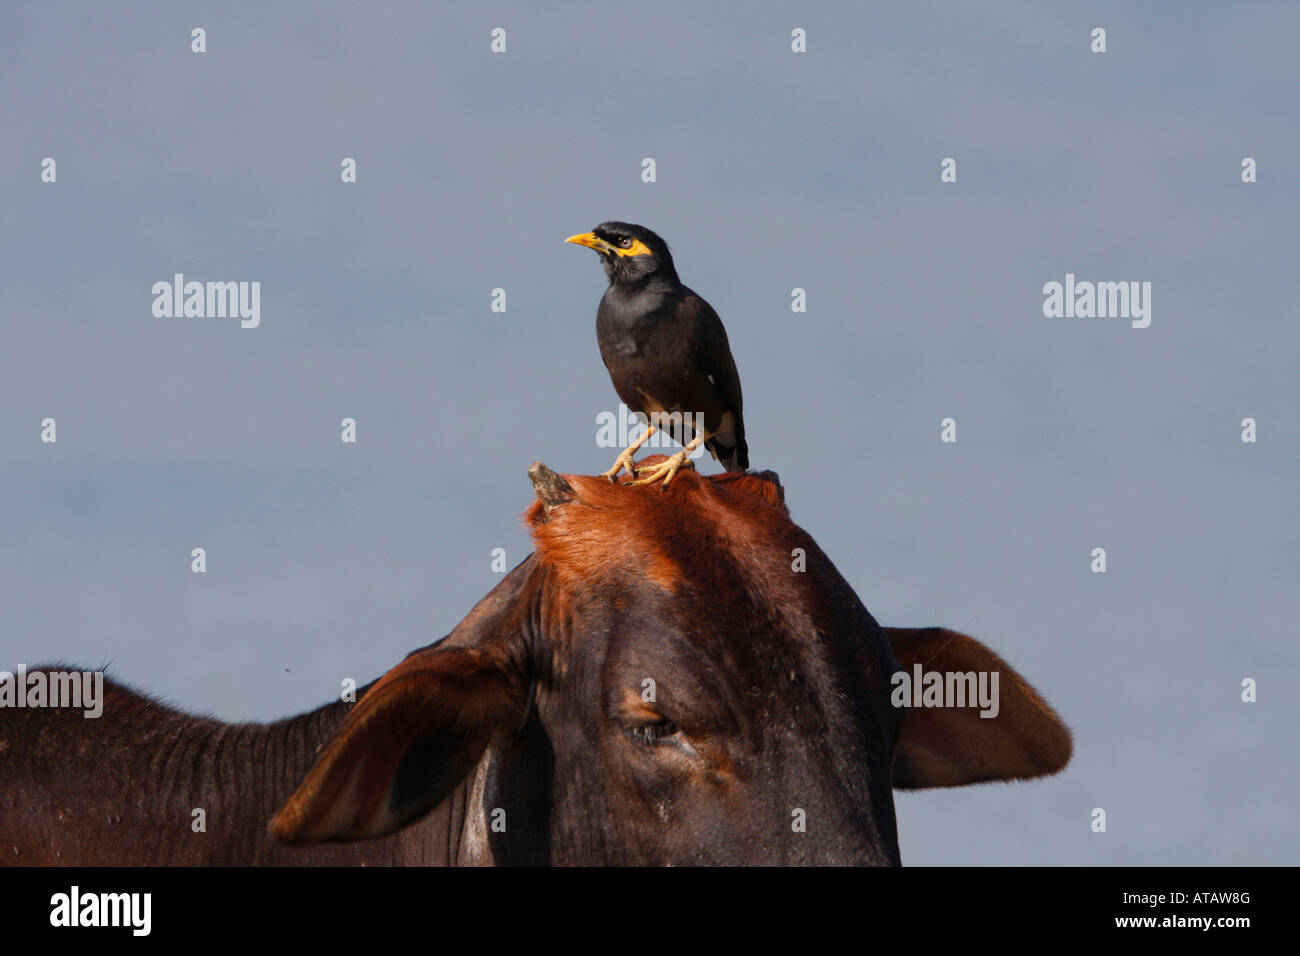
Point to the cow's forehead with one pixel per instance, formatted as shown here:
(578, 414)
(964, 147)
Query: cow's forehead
(605, 528)
(711, 565)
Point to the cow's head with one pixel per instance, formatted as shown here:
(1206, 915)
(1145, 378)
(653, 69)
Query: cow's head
(672, 677)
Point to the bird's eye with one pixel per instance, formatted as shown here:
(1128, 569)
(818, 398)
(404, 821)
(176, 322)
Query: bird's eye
(625, 243)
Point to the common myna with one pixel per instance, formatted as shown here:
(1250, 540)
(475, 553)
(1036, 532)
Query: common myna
(666, 352)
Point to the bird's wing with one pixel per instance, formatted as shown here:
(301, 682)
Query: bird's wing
(714, 353)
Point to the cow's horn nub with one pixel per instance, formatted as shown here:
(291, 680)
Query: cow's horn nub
(552, 490)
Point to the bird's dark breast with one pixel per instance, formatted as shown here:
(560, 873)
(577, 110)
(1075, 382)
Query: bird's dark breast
(652, 357)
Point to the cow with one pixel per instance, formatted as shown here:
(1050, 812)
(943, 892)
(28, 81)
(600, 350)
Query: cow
(671, 677)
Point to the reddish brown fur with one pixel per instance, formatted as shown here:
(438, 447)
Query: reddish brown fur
(577, 540)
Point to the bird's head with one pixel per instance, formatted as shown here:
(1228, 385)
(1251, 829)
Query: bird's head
(630, 254)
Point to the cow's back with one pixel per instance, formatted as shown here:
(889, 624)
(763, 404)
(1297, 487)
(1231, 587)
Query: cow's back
(143, 784)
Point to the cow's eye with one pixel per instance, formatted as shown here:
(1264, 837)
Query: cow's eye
(654, 734)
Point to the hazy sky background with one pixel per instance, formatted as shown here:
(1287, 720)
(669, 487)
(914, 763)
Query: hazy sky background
(775, 170)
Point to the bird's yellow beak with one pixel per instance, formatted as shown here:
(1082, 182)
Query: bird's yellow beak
(591, 241)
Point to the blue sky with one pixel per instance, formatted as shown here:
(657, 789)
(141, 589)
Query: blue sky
(775, 170)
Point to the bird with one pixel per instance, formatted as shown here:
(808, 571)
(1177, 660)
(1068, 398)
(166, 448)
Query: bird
(667, 353)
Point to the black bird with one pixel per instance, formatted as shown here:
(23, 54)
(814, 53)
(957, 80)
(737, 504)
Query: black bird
(666, 351)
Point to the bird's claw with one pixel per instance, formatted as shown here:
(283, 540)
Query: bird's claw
(665, 470)
(623, 461)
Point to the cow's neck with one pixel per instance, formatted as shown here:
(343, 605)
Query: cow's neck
(145, 784)
(278, 756)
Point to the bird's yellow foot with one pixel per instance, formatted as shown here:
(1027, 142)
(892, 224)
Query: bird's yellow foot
(623, 461)
(665, 470)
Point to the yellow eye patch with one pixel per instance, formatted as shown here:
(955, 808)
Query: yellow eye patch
(638, 248)
(593, 241)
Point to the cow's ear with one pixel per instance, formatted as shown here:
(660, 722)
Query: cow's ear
(951, 746)
(406, 745)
